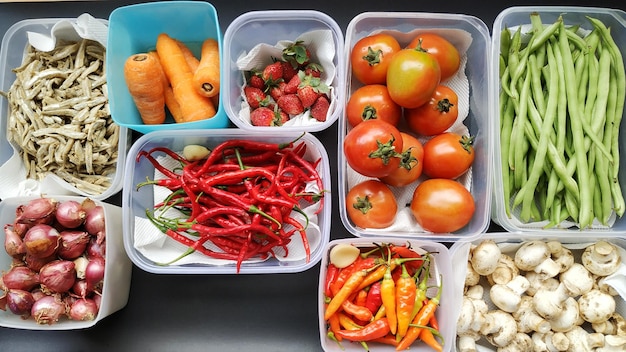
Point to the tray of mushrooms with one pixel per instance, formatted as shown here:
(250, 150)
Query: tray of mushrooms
(540, 294)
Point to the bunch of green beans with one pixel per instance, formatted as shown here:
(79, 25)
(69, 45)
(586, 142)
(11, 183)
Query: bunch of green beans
(561, 104)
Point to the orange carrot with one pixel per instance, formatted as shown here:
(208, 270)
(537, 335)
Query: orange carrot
(193, 106)
(207, 75)
(191, 59)
(170, 100)
(141, 71)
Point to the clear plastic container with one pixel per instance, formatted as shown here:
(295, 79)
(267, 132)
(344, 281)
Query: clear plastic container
(117, 275)
(134, 29)
(270, 27)
(136, 201)
(514, 17)
(440, 274)
(509, 243)
(478, 121)
(14, 44)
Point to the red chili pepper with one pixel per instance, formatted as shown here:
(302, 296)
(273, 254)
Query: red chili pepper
(358, 264)
(374, 330)
(331, 275)
(374, 299)
(162, 169)
(305, 241)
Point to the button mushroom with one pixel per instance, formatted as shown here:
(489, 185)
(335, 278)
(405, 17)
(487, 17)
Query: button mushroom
(527, 319)
(520, 343)
(582, 341)
(549, 303)
(601, 258)
(577, 279)
(508, 297)
(550, 341)
(484, 257)
(536, 256)
(596, 306)
(613, 343)
(499, 328)
(505, 270)
(568, 318)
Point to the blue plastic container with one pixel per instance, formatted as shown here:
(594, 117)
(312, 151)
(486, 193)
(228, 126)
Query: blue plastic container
(134, 29)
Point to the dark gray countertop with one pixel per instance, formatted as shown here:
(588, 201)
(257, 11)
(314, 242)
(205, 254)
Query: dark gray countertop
(224, 312)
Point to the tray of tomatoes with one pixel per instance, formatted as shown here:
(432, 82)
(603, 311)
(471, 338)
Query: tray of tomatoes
(415, 139)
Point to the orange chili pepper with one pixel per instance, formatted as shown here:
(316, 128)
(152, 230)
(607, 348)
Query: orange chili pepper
(345, 273)
(420, 321)
(347, 323)
(406, 290)
(359, 312)
(361, 298)
(333, 323)
(346, 290)
(428, 337)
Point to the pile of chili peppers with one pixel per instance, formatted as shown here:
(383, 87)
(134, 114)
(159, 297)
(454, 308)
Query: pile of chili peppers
(239, 200)
(381, 297)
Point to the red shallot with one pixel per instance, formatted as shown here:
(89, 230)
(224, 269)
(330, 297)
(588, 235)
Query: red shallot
(94, 273)
(58, 276)
(13, 243)
(70, 214)
(48, 309)
(94, 222)
(80, 265)
(83, 309)
(80, 289)
(19, 278)
(73, 244)
(20, 302)
(42, 241)
(35, 264)
(37, 211)
(96, 249)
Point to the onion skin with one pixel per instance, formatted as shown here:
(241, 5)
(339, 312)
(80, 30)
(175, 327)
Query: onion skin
(42, 241)
(73, 244)
(48, 309)
(70, 214)
(58, 276)
(20, 278)
(83, 309)
(37, 211)
(20, 302)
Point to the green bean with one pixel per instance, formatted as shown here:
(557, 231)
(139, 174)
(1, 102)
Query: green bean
(506, 124)
(582, 77)
(526, 194)
(582, 169)
(590, 101)
(522, 115)
(536, 85)
(541, 36)
(505, 44)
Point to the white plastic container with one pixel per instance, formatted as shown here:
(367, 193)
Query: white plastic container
(441, 273)
(270, 27)
(518, 16)
(14, 44)
(136, 201)
(478, 121)
(117, 275)
(509, 242)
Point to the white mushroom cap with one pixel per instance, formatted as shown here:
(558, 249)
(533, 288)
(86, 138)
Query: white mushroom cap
(484, 257)
(601, 258)
(596, 306)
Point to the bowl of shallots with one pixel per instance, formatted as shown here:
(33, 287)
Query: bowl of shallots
(63, 265)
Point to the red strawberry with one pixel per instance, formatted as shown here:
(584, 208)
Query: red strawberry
(292, 85)
(308, 95)
(278, 90)
(254, 96)
(288, 71)
(265, 116)
(256, 81)
(291, 104)
(313, 69)
(319, 110)
(272, 73)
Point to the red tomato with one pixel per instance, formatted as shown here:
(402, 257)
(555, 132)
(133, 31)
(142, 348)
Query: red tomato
(412, 77)
(372, 148)
(410, 168)
(372, 101)
(441, 205)
(370, 57)
(446, 54)
(448, 155)
(437, 115)
(371, 204)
